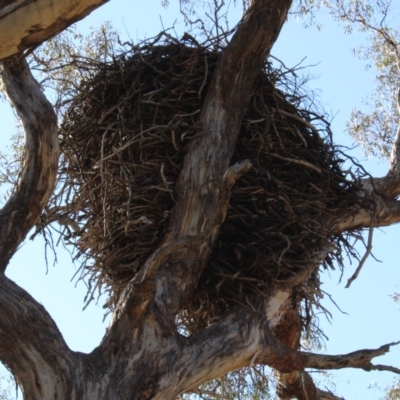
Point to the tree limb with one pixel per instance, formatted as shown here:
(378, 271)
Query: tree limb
(40, 165)
(387, 212)
(241, 339)
(357, 359)
(29, 23)
(365, 256)
(32, 346)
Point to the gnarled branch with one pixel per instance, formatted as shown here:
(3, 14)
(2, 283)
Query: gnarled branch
(31, 345)
(39, 169)
(358, 359)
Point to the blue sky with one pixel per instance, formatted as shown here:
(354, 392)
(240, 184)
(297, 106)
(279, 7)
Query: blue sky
(341, 82)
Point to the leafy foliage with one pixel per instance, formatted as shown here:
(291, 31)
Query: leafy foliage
(56, 61)
(393, 391)
(376, 127)
(10, 165)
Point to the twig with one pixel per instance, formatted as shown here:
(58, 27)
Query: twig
(366, 255)
(299, 162)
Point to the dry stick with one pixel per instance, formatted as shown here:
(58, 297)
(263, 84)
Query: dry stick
(366, 255)
(297, 118)
(123, 147)
(300, 162)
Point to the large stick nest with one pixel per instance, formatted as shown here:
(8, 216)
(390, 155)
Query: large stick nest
(124, 138)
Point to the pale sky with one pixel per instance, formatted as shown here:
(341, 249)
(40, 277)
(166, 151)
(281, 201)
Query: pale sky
(372, 317)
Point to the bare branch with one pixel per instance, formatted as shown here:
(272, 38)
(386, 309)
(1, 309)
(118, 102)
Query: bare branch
(387, 212)
(247, 341)
(31, 344)
(358, 359)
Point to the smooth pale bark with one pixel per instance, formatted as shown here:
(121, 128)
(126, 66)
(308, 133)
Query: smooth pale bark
(386, 211)
(28, 23)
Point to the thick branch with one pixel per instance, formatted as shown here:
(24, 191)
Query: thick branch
(387, 212)
(28, 23)
(242, 340)
(32, 346)
(295, 384)
(231, 344)
(39, 169)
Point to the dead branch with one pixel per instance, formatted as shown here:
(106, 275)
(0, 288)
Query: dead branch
(357, 359)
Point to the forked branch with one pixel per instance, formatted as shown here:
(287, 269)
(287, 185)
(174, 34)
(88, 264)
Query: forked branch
(361, 359)
(239, 341)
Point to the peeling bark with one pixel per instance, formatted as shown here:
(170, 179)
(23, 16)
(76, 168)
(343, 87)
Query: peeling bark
(28, 23)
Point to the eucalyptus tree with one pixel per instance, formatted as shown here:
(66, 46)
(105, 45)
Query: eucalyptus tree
(151, 349)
